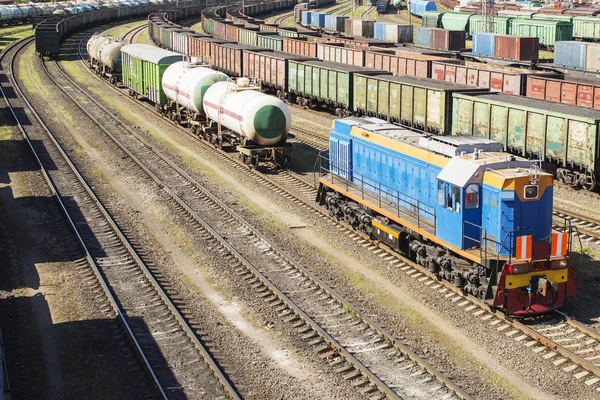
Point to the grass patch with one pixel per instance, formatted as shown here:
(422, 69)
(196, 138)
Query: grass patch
(13, 34)
(35, 84)
(122, 29)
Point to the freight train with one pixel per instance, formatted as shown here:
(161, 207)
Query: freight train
(459, 206)
(231, 114)
(421, 104)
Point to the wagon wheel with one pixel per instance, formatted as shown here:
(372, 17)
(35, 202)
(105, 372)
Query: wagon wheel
(590, 183)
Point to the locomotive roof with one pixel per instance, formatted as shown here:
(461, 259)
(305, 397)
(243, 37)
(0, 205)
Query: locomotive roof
(151, 54)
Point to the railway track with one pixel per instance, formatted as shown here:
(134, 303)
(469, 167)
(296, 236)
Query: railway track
(587, 228)
(301, 191)
(129, 36)
(150, 320)
(340, 333)
(312, 139)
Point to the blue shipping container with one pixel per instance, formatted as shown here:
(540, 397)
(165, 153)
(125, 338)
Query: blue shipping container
(419, 7)
(379, 33)
(317, 20)
(423, 37)
(484, 44)
(306, 18)
(570, 54)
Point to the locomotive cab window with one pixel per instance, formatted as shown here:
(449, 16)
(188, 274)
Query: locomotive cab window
(531, 192)
(449, 196)
(472, 196)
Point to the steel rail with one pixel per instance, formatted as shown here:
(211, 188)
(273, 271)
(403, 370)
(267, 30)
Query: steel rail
(120, 313)
(266, 282)
(212, 364)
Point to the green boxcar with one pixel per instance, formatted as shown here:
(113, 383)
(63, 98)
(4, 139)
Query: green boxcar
(456, 21)
(166, 36)
(326, 82)
(421, 103)
(587, 28)
(432, 19)
(273, 42)
(548, 32)
(501, 25)
(248, 36)
(143, 68)
(563, 134)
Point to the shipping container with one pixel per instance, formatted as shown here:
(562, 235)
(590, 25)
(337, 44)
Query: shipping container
(423, 37)
(432, 19)
(516, 48)
(500, 25)
(587, 28)
(484, 44)
(379, 30)
(592, 62)
(487, 76)
(299, 46)
(324, 82)
(335, 23)
(306, 18)
(340, 53)
(548, 32)
(441, 39)
(582, 92)
(363, 28)
(270, 68)
(456, 21)
(570, 54)
(398, 33)
(561, 134)
(317, 19)
(420, 103)
(349, 27)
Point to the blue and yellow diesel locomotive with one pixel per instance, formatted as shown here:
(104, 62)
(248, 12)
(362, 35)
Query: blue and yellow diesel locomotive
(460, 206)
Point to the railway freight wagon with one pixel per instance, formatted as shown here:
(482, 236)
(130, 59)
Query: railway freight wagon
(143, 67)
(548, 32)
(420, 103)
(565, 137)
(494, 77)
(327, 83)
(580, 92)
(444, 201)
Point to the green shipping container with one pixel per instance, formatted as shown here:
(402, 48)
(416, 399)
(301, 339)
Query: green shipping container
(143, 67)
(501, 25)
(548, 32)
(586, 28)
(248, 36)
(559, 133)
(432, 19)
(326, 82)
(421, 103)
(456, 21)
(273, 42)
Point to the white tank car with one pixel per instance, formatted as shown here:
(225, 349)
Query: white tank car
(186, 84)
(110, 55)
(93, 45)
(263, 119)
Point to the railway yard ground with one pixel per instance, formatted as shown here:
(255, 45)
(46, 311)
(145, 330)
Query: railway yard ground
(63, 339)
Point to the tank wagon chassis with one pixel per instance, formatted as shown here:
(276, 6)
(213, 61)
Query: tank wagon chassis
(214, 133)
(105, 72)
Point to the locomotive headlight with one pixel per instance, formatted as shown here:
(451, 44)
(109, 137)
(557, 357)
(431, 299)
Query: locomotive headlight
(518, 269)
(558, 264)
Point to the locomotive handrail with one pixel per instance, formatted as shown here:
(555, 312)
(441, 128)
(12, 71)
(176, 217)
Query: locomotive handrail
(409, 206)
